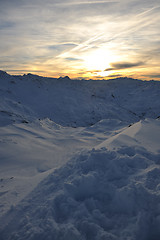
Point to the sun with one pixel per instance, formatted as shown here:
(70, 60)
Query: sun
(99, 59)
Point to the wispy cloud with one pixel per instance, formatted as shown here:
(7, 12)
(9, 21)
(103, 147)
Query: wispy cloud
(73, 59)
(85, 2)
(123, 65)
(60, 34)
(153, 76)
(114, 75)
(122, 30)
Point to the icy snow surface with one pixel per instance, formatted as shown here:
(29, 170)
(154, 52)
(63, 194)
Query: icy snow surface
(79, 160)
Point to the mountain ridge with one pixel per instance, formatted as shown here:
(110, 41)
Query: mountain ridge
(79, 102)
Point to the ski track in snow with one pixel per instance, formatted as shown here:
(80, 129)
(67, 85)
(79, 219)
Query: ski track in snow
(80, 160)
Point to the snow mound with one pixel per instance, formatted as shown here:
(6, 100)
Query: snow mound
(108, 194)
(144, 133)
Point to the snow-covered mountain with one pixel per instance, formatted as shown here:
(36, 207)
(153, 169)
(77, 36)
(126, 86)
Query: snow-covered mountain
(79, 160)
(77, 103)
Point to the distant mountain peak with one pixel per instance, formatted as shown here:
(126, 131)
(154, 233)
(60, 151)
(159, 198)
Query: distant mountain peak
(30, 74)
(3, 73)
(65, 78)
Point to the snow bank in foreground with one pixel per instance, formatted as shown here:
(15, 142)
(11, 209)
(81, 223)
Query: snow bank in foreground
(143, 133)
(99, 195)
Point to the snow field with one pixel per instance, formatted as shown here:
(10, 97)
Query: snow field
(99, 194)
(29, 152)
(79, 160)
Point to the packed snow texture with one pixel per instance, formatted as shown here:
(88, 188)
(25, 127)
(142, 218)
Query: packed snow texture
(80, 160)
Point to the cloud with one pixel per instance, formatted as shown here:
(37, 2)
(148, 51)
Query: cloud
(62, 46)
(153, 76)
(85, 2)
(25, 70)
(123, 65)
(114, 75)
(94, 71)
(6, 24)
(59, 48)
(44, 33)
(73, 59)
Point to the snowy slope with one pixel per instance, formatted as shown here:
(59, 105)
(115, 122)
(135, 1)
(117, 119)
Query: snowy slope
(144, 133)
(78, 103)
(79, 159)
(99, 194)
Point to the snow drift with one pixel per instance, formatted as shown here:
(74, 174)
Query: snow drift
(99, 194)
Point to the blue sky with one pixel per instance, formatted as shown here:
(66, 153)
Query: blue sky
(84, 39)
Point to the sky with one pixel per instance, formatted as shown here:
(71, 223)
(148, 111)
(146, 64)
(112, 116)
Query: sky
(81, 38)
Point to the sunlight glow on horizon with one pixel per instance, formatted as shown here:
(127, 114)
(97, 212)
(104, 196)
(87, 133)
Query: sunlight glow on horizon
(99, 59)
